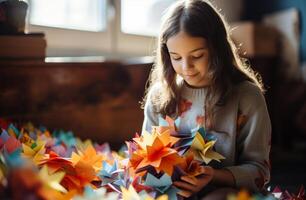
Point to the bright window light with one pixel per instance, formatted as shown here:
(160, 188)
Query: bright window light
(142, 17)
(88, 15)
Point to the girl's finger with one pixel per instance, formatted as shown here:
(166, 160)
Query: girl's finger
(184, 193)
(206, 170)
(184, 186)
(190, 179)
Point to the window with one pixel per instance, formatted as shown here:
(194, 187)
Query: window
(147, 14)
(139, 22)
(112, 28)
(89, 15)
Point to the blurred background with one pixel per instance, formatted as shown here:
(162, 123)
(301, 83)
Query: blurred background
(82, 65)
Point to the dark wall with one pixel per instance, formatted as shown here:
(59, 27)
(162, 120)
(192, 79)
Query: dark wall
(254, 10)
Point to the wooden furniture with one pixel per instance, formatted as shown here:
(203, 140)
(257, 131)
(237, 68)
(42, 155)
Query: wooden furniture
(94, 98)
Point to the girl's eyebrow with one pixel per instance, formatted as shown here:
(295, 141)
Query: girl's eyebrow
(201, 48)
(197, 49)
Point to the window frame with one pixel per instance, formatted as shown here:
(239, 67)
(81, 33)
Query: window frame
(111, 42)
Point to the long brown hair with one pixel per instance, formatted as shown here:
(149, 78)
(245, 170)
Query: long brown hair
(198, 18)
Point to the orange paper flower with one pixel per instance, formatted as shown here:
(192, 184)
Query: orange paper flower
(156, 150)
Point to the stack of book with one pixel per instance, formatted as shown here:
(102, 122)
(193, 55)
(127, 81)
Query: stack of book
(23, 46)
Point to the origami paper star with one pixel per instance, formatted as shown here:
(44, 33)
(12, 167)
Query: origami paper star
(65, 137)
(89, 157)
(27, 140)
(167, 124)
(11, 144)
(13, 131)
(131, 194)
(35, 152)
(56, 163)
(245, 195)
(279, 194)
(203, 150)
(82, 145)
(4, 136)
(162, 185)
(138, 186)
(14, 159)
(109, 173)
(155, 150)
(96, 194)
(52, 180)
(190, 167)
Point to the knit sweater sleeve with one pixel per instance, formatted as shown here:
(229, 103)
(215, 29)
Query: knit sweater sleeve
(150, 116)
(253, 141)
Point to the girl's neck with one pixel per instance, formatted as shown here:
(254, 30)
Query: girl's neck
(194, 87)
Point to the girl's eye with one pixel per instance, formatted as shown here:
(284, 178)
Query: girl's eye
(176, 58)
(197, 56)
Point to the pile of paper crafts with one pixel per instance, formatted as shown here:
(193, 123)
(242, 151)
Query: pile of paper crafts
(35, 164)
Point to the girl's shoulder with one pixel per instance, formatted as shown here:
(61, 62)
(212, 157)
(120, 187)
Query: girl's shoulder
(249, 94)
(247, 88)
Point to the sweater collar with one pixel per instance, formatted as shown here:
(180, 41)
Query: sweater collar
(191, 92)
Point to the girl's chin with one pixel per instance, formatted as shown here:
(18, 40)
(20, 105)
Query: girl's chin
(192, 84)
(195, 84)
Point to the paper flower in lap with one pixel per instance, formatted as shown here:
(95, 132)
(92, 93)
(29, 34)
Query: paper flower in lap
(162, 185)
(190, 166)
(166, 154)
(139, 186)
(155, 150)
(198, 141)
(203, 149)
(167, 124)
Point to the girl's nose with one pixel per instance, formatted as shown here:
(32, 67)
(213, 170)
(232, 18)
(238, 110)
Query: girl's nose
(186, 64)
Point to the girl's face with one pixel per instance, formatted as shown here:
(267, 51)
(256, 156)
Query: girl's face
(189, 57)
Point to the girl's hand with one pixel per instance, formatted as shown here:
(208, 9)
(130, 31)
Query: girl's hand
(191, 185)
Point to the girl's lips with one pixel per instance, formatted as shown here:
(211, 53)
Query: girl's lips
(191, 75)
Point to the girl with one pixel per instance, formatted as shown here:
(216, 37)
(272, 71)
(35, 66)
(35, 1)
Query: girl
(199, 77)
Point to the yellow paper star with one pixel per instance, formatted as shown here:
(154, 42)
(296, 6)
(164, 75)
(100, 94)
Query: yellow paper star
(83, 145)
(52, 180)
(203, 151)
(36, 153)
(131, 194)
